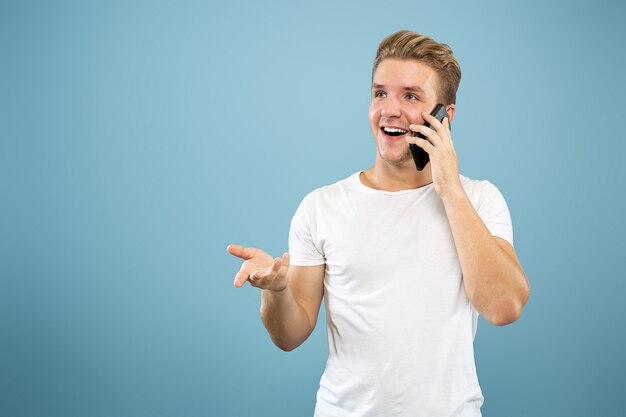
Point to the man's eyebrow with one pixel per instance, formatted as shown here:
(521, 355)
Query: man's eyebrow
(415, 88)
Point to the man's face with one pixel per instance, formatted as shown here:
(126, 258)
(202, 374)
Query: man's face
(401, 91)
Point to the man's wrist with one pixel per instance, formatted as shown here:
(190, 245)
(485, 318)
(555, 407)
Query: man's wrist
(276, 291)
(454, 196)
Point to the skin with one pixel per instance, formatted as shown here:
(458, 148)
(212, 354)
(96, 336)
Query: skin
(403, 94)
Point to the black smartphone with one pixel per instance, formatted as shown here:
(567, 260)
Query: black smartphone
(420, 156)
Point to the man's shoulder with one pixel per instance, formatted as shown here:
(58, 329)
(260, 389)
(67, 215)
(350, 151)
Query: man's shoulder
(475, 185)
(334, 189)
(482, 192)
(471, 182)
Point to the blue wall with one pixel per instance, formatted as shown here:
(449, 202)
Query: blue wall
(138, 139)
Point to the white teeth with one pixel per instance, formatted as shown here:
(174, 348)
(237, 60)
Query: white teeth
(394, 130)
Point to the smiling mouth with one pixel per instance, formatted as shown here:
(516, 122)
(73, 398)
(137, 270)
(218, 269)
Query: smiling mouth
(393, 131)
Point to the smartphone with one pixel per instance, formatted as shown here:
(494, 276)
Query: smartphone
(420, 156)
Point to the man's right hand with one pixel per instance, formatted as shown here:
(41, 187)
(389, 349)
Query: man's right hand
(260, 269)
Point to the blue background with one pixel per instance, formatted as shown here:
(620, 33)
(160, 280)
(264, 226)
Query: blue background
(138, 139)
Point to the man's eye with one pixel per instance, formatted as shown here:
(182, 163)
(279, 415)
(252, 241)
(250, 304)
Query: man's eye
(411, 97)
(380, 94)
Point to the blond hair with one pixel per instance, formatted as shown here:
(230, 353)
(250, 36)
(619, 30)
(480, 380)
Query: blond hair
(410, 45)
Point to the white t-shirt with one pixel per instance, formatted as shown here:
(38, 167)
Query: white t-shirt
(400, 325)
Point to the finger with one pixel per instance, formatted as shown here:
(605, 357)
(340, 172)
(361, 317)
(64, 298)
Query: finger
(446, 126)
(254, 279)
(446, 137)
(436, 124)
(442, 129)
(241, 252)
(284, 266)
(272, 271)
(422, 143)
(429, 133)
(240, 279)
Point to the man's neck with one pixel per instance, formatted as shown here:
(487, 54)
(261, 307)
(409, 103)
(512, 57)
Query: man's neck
(389, 178)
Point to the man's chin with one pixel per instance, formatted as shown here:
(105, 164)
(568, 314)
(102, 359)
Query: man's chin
(397, 160)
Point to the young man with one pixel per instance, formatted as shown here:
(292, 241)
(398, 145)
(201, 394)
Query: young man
(406, 260)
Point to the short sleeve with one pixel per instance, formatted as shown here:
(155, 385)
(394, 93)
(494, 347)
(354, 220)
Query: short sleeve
(303, 250)
(494, 212)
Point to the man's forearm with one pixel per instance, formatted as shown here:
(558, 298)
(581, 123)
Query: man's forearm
(494, 281)
(285, 320)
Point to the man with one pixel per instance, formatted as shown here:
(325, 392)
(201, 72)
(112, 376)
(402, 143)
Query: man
(406, 260)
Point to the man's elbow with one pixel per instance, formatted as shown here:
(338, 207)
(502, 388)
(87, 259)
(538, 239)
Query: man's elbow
(509, 313)
(504, 319)
(287, 345)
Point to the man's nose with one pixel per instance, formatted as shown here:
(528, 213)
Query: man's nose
(391, 108)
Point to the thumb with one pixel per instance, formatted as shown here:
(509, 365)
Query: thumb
(240, 251)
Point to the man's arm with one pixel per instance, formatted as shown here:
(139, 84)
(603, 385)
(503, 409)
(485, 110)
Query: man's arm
(493, 277)
(494, 280)
(290, 315)
(290, 295)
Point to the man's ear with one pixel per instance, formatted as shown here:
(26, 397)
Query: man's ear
(450, 108)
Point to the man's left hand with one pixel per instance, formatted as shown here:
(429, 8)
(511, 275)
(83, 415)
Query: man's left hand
(444, 165)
